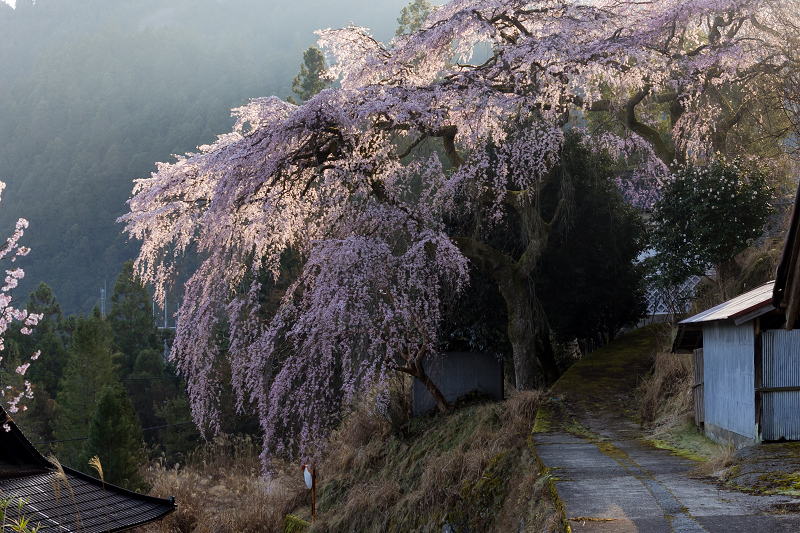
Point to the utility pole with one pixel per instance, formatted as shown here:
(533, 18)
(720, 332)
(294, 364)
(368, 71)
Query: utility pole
(103, 300)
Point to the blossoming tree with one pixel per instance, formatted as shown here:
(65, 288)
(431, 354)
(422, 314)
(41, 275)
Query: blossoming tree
(342, 180)
(15, 391)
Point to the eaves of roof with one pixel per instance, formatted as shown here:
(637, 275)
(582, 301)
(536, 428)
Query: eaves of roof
(741, 309)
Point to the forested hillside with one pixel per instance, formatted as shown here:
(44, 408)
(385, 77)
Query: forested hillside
(93, 93)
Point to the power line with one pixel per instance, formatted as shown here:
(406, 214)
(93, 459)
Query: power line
(148, 379)
(85, 438)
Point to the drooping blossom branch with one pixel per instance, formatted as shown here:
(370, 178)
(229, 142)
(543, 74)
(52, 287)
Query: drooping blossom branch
(332, 180)
(15, 396)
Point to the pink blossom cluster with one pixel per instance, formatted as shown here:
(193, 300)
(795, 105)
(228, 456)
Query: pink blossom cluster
(8, 314)
(337, 179)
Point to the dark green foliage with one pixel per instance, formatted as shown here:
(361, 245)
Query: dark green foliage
(589, 283)
(49, 368)
(46, 337)
(43, 301)
(150, 386)
(131, 320)
(478, 320)
(178, 438)
(115, 436)
(36, 422)
(310, 81)
(706, 216)
(91, 366)
(413, 16)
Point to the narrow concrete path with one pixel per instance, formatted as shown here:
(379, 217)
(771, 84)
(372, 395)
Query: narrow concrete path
(608, 479)
(624, 485)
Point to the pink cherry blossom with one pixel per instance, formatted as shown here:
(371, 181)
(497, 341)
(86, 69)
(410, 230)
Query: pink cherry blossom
(332, 180)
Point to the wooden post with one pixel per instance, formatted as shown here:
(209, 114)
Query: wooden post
(313, 491)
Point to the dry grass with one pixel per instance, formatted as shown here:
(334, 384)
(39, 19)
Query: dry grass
(667, 409)
(220, 490)
(472, 468)
(719, 464)
(751, 268)
(666, 400)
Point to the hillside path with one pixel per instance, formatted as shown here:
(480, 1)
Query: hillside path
(608, 479)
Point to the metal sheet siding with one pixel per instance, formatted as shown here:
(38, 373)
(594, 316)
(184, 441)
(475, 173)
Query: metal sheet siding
(728, 376)
(456, 374)
(781, 415)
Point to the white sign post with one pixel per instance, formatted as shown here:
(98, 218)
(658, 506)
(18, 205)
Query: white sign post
(310, 477)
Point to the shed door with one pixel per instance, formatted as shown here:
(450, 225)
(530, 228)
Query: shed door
(781, 385)
(699, 396)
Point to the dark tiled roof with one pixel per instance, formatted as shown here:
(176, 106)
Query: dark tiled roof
(71, 501)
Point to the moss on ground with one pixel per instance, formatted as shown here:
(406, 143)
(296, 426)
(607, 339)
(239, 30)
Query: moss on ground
(294, 524)
(687, 441)
(603, 381)
(767, 469)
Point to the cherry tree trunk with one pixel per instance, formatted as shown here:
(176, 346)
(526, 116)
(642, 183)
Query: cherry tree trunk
(521, 332)
(416, 370)
(441, 402)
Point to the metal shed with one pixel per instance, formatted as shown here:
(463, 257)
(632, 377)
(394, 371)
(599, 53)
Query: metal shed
(747, 370)
(65, 500)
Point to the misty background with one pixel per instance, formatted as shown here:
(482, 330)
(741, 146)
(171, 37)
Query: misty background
(93, 93)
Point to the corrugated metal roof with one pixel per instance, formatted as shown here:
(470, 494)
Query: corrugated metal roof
(73, 502)
(758, 298)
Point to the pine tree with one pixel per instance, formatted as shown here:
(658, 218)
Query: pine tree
(115, 436)
(311, 79)
(149, 386)
(91, 366)
(46, 338)
(131, 319)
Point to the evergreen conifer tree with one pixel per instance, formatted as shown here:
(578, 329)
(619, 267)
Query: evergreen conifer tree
(91, 366)
(311, 79)
(115, 436)
(150, 386)
(47, 338)
(131, 319)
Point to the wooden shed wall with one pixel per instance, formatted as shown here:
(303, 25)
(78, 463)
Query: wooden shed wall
(729, 377)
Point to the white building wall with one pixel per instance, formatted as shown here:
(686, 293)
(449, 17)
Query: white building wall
(729, 377)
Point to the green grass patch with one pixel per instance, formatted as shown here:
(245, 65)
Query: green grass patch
(687, 441)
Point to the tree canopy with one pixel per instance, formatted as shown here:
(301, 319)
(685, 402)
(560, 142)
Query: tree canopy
(706, 216)
(343, 180)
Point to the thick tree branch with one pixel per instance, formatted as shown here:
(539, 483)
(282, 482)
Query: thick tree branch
(448, 135)
(488, 259)
(653, 137)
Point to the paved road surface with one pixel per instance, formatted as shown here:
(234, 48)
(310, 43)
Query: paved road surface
(623, 484)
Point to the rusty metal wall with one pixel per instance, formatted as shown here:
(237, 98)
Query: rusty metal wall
(729, 377)
(781, 409)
